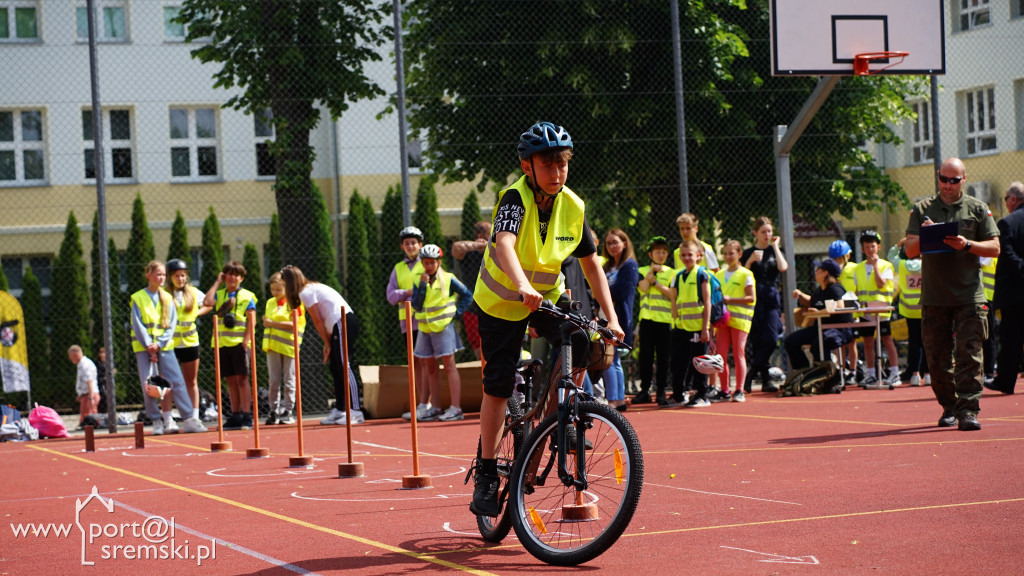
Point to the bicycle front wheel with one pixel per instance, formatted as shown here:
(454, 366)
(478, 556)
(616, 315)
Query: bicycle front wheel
(559, 524)
(494, 529)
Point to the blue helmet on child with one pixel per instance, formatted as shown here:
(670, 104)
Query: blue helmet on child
(838, 249)
(543, 136)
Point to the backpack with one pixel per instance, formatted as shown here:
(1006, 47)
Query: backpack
(821, 378)
(719, 313)
(48, 422)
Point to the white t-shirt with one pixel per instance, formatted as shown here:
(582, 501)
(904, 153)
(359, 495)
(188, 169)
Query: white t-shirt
(326, 300)
(86, 382)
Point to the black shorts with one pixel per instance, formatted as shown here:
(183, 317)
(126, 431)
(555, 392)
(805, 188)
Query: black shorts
(186, 355)
(868, 328)
(233, 361)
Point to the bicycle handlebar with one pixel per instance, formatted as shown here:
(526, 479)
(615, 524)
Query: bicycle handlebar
(559, 311)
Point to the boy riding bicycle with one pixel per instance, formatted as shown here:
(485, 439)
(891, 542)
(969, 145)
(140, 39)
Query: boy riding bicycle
(538, 223)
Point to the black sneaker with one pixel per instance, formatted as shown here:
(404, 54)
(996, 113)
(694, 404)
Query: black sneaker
(234, 422)
(968, 422)
(666, 402)
(485, 495)
(948, 419)
(246, 420)
(642, 398)
(272, 419)
(720, 397)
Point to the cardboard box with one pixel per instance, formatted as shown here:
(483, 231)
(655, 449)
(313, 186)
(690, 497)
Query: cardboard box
(386, 389)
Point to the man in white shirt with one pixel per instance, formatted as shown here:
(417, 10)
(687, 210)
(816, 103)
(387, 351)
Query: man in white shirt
(86, 384)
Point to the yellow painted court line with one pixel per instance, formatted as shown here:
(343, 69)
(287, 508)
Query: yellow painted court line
(366, 541)
(833, 446)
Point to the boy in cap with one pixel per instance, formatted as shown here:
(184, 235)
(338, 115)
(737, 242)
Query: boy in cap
(655, 321)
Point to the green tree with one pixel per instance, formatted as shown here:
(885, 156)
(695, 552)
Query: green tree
(253, 280)
(391, 223)
(426, 217)
(603, 70)
(179, 247)
(292, 57)
(3, 281)
(212, 253)
(36, 340)
(69, 301)
(470, 215)
(274, 260)
(140, 250)
(359, 284)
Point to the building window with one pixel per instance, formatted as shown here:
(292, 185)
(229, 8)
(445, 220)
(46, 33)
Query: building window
(117, 143)
(923, 148)
(264, 134)
(1016, 8)
(14, 269)
(111, 21)
(974, 14)
(193, 143)
(174, 31)
(981, 121)
(21, 147)
(19, 20)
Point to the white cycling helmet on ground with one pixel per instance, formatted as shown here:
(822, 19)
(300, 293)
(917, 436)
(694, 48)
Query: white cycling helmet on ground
(709, 363)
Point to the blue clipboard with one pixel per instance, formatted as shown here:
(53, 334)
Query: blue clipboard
(932, 237)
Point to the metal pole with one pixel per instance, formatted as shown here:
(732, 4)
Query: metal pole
(677, 61)
(101, 218)
(402, 134)
(785, 207)
(937, 160)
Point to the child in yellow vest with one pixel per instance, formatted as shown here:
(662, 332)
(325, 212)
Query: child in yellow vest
(875, 279)
(279, 345)
(691, 313)
(188, 301)
(739, 297)
(655, 321)
(399, 290)
(438, 297)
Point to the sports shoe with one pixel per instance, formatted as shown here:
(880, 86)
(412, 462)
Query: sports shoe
(721, 397)
(234, 421)
(286, 418)
(485, 494)
(968, 422)
(332, 418)
(893, 379)
(666, 402)
(271, 419)
(170, 426)
(915, 380)
(246, 420)
(158, 427)
(947, 420)
(421, 411)
(357, 418)
(927, 379)
(192, 426)
(739, 397)
(869, 380)
(642, 398)
(770, 388)
(451, 414)
(431, 414)
(698, 402)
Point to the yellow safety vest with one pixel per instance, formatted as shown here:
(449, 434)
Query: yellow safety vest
(847, 277)
(868, 290)
(438, 304)
(234, 336)
(689, 305)
(495, 293)
(407, 277)
(653, 304)
(988, 279)
(741, 316)
(910, 288)
(275, 339)
(150, 319)
(185, 333)
(679, 263)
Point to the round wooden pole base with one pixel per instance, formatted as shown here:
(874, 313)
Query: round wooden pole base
(350, 470)
(257, 452)
(411, 482)
(300, 462)
(220, 446)
(140, 439)
(579, 512)
(90, 439)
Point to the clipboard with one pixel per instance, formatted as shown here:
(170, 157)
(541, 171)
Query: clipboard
(932, 236)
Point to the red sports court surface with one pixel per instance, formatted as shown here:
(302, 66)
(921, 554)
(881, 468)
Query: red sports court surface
(859, 483)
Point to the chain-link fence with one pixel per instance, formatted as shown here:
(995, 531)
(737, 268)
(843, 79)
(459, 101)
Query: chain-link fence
(208, 106)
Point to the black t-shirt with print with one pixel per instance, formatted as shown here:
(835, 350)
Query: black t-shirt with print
(509, 218)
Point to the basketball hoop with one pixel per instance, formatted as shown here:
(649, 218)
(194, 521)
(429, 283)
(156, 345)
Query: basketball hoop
(862, 62)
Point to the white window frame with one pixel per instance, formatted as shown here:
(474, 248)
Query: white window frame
(264, 139)
(970, 11)
(194, 143)
(101, 23)
(19, 146)
(1016, 8)
(110, 145)
(979, 121)
(922, 141)
(11, 7)
(25, 260)
(176, 5)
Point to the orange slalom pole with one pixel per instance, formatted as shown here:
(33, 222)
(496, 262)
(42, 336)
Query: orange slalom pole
(220, 445)
(250, 329)
(416, 480)
(301, 460)
(349, 469)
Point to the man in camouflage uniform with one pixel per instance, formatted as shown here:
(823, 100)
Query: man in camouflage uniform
(952, 300)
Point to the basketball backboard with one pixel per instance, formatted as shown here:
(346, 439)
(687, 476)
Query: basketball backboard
(821, 37)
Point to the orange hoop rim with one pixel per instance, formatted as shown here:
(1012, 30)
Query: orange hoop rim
(862, 62)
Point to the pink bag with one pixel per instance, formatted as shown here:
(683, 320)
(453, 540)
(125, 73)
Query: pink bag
(48, 422)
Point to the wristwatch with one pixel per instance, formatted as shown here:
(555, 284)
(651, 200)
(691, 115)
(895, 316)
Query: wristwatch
(967, 246)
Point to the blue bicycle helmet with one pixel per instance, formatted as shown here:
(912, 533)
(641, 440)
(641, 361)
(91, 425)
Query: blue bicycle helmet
(838, 249)
(543, 136)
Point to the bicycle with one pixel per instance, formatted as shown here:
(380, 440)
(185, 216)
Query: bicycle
(576, 514)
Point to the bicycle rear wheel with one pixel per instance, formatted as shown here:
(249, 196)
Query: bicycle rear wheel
(494, 529)
(558, 524)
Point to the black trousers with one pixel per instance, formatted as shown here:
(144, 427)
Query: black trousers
(655, 346)
(1011, 339)
(684, 375)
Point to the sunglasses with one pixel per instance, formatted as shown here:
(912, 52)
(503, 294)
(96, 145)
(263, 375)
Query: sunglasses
(950, 179)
